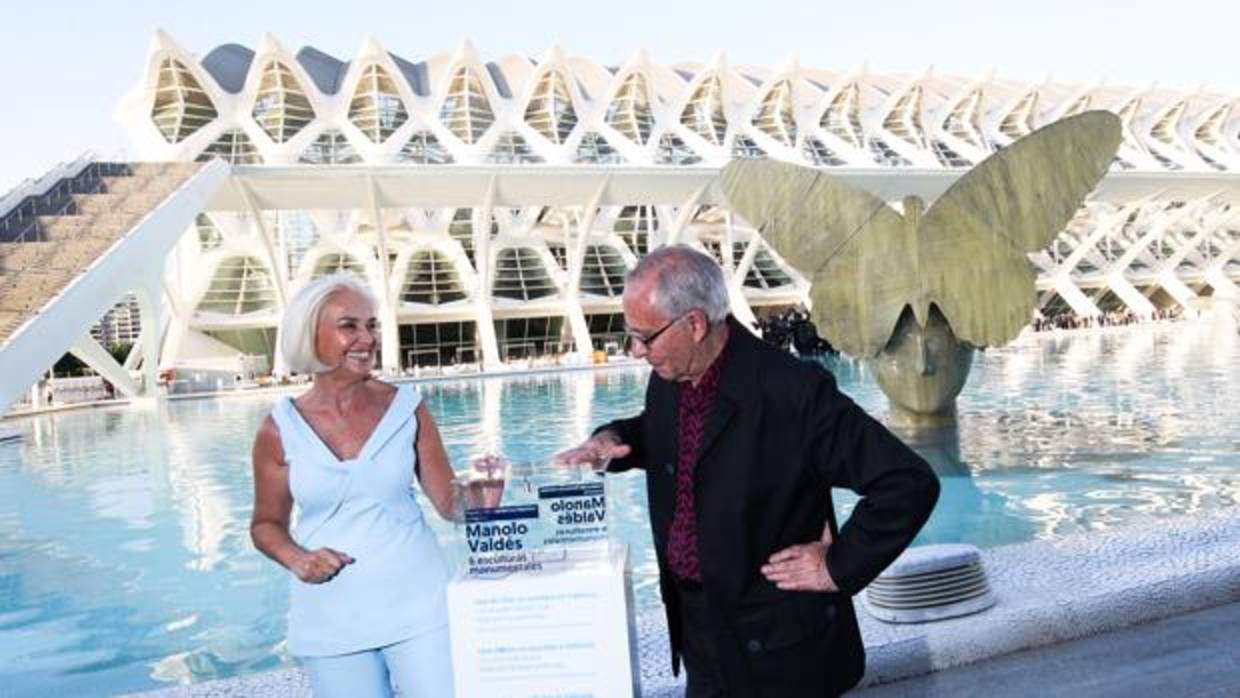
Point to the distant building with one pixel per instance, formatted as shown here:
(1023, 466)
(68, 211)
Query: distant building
(121, 325)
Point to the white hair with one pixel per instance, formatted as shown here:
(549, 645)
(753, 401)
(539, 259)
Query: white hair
(684, 279)
(301, 321)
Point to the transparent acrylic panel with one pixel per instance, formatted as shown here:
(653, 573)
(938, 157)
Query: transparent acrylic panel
(530, 517)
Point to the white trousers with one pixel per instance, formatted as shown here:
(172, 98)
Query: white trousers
(420, 667)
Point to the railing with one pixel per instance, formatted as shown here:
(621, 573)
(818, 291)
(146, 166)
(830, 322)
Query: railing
(50, 194)
(42, 185)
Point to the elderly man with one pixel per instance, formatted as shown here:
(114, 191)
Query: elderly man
(741, 444)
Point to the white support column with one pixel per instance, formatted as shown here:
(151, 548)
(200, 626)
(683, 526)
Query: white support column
(576, 260)
(95, 356)
(729, 238)
(482, 288)
(1216, 275)
(277, 261)
(1128, 293)
(1103, 226)
(136, 354)
(685, 215)
(1176, 288)
(1134, 299)
(390, 337)
(1167, 278)
(736, 284)
(279, 267)
(1074, 297)
(1213, 269)
(1062, 273)
(151, 312)
(175, 328)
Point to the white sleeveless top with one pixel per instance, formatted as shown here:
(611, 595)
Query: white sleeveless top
(363, 507)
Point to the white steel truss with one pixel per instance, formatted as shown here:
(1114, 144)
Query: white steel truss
(1162, 230)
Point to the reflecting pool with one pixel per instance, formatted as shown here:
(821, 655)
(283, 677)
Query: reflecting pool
(125, 560)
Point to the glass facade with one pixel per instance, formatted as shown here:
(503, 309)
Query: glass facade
(629, 112)
(430, 278)
(437, 344)
(817, 152)
(330, 148)
(673, 151)
(551, 111)
(511, 149)
(424, 148)
(281, 108)
(209, 236)
(904, 119)
(842, 118)
(1019, 121)
(530, 337)
(181, 107)
(635, 225)
(233, 147)
(607, 331)
(602, 271)
(704, 113)
(520, 275)
(338, 263)
(775, 117)
(594, 149)
(764, 272)
(376, 108)
(466, 111)
(241, 285)
(744, 147)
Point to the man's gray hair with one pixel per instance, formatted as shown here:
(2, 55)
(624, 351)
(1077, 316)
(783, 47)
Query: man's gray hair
(301, 321)
(683, 279)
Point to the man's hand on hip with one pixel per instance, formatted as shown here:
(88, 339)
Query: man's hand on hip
(802, 567)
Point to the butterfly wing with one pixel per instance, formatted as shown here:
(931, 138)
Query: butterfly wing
(973, 241)
(845, 241)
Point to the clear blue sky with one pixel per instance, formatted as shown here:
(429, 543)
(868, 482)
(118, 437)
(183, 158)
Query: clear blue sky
(64, 65)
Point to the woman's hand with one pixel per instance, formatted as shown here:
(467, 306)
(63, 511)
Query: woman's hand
(319, 566)
(483, 486)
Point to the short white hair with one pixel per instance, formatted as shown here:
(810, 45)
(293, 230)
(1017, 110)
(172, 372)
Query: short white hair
(684, 279)
(301, 321)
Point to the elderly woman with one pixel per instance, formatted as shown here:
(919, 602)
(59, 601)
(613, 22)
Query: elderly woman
(368, 604)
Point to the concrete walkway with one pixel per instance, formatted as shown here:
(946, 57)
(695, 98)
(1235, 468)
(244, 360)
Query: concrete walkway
(1194, 655)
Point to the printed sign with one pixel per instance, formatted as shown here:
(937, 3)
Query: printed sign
(564, 631)
(502, 540)
(574, 514)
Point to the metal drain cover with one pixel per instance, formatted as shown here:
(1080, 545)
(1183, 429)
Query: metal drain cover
(928, 583)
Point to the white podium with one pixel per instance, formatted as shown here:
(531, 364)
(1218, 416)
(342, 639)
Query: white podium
(565, 630)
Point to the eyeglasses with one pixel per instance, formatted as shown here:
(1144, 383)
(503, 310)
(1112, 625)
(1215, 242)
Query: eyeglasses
(647, 341)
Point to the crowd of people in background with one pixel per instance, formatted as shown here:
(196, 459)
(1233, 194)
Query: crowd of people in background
(1072, 321)
(792, 329)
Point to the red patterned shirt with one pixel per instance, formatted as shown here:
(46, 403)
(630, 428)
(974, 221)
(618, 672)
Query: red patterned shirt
(695, 405)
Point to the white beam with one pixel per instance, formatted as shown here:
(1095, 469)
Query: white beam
(95, 356)
(485, 326)
(576, 261)
(390, 361)
(685, 215)
(279, 266)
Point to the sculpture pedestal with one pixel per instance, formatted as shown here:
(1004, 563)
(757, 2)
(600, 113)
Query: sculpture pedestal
(564, 629)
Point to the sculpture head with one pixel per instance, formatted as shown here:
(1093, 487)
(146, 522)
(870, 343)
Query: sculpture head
(921, 370)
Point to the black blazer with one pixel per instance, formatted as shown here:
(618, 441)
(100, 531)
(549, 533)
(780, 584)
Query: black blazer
(778, 438)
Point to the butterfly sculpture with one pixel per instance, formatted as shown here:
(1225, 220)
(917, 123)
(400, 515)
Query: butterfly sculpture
(960, 263)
